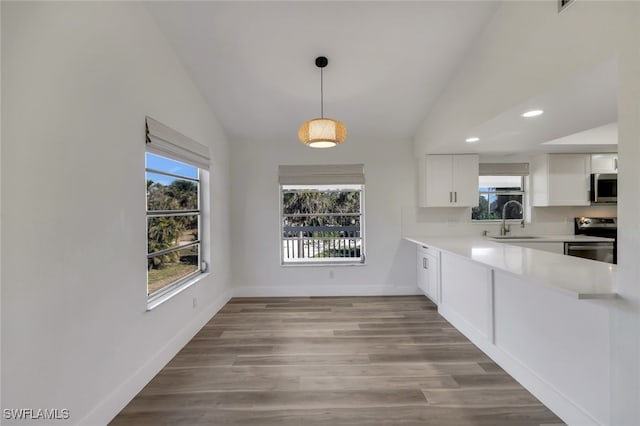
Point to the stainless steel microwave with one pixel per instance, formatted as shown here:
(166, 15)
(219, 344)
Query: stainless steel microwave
(604, 188)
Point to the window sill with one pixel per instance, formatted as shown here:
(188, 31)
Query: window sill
(498, 221)
(157, 300)
(331, 264)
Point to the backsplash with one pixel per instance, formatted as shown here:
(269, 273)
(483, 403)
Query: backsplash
(457, 221)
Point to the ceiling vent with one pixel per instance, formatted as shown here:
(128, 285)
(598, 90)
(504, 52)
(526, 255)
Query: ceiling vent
(563, 4)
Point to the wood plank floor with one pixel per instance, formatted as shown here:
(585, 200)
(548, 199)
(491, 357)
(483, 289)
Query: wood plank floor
(332, 361)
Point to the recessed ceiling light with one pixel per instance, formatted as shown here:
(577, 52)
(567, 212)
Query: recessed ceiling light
(532, 113)
(472, 140)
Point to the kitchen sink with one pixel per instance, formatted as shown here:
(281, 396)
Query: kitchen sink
(514, 237)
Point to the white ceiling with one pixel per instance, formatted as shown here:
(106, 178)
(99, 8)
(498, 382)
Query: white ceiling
(580, 114)
(388, 62)
(254, 61)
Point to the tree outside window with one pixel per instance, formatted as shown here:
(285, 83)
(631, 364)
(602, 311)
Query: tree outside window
(494, 193)
(322, 223)
(173, 222)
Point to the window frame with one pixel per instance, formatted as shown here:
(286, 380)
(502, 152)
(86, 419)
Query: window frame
(522, 192)
(332, 262)
(165, 293)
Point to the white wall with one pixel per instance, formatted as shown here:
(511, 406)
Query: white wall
(77, 82)
(525, 50)
(1, 405)
(390, 184)
(625, 345)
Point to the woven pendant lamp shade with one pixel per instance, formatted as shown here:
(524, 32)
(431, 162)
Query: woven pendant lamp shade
(322, 133)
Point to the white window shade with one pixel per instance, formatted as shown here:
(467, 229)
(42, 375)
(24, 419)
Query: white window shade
(346, 174)
(500, 182)
(504, 169)
(163, 140)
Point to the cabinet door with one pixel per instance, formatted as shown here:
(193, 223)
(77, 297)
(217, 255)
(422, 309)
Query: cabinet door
(439, 181)
(427, 273)
(569, 179)
(422, 272)
(604, 163)
(432, 280)
(465, 180)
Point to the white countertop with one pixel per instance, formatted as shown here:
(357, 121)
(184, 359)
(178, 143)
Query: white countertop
(574, 276)
(551, 239)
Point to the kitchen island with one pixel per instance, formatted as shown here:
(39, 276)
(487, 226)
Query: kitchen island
(542, 316)
(576, 277)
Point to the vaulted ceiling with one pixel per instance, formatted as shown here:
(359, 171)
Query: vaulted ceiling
(388, 61)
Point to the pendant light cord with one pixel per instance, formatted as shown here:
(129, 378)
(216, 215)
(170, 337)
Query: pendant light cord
(321, 94)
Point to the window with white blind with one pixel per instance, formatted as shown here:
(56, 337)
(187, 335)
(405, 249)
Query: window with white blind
(175, 169)
(322, 214)
(498, 184)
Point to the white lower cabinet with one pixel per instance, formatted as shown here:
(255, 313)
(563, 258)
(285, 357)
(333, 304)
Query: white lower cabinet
(563, 340)
(557, 346)
(466, 295)
(428, 272)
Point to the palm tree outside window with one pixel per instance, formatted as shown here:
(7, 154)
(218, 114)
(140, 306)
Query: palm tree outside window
(173, 223)
(322, 224)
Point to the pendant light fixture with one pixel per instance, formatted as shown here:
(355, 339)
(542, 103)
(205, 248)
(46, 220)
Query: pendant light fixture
(322, 132)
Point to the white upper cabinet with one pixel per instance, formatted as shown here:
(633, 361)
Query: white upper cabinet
(449, 181)
(604, 163)
(561, 180)
(465, 180)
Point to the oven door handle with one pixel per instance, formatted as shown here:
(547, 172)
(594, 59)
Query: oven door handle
(593, 247)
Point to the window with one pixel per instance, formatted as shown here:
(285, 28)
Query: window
(322, 223)
(175, 169)
(173, 222)
(322, 214)
(495, 192)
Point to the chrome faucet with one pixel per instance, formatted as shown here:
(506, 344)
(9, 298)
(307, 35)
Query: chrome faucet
(504, 228)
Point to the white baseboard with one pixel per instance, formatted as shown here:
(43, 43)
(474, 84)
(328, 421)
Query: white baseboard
(556, 401)
(323, 290)
(106, 410)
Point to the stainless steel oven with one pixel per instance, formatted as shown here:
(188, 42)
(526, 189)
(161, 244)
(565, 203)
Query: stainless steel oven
(601, 251)
(604, 188)
(604, 251)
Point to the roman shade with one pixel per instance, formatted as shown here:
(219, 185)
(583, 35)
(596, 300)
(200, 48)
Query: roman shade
(340, 174)
(504, 169)
(165, 141)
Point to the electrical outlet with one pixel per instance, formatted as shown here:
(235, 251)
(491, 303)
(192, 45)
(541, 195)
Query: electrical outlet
(195, 302)
(331, 275)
